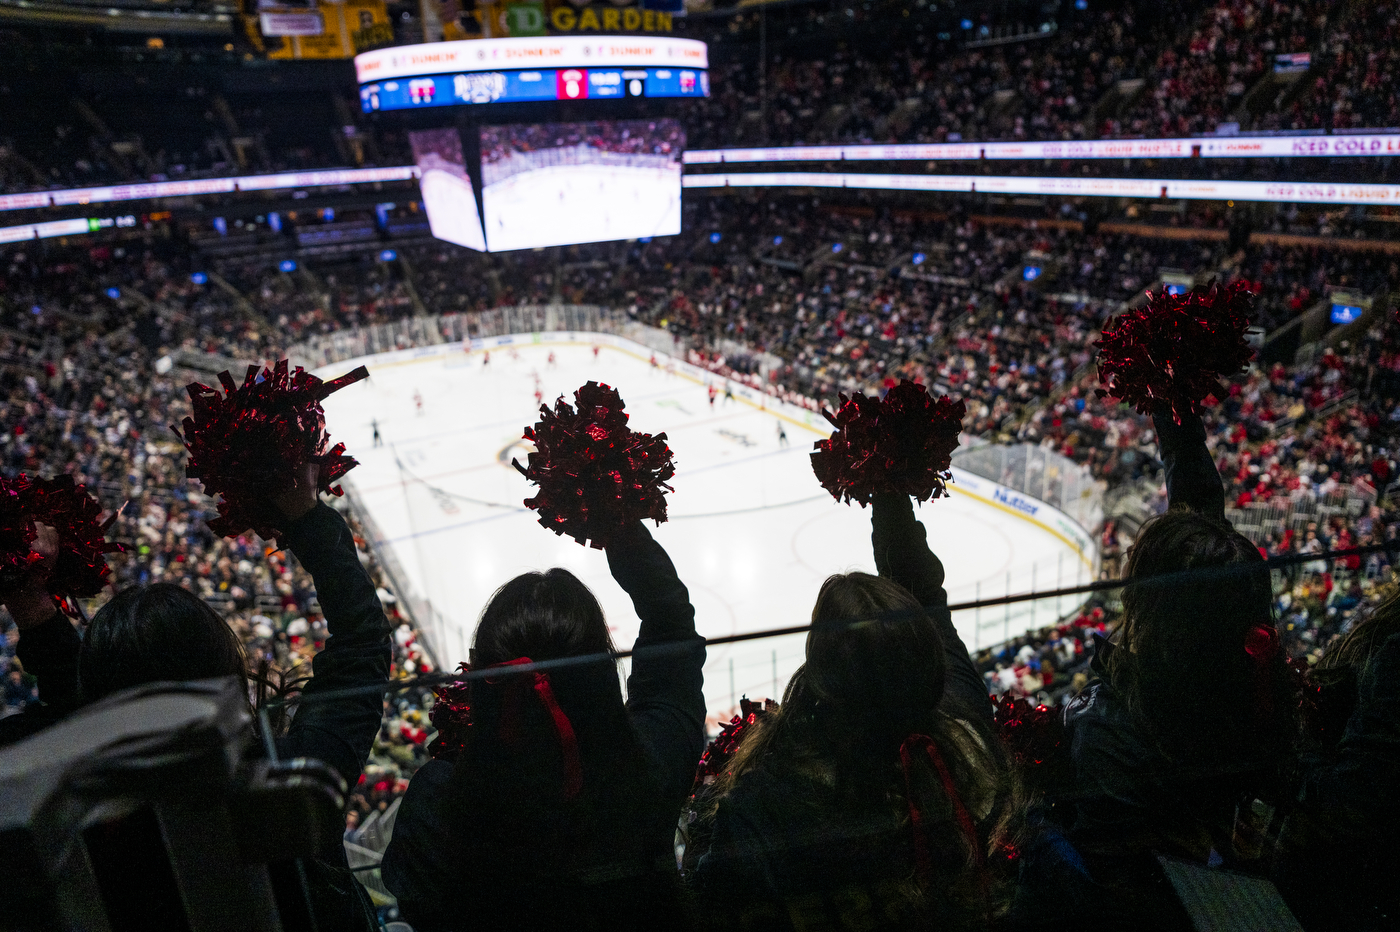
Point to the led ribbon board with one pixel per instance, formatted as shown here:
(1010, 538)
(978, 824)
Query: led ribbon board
(484, 71)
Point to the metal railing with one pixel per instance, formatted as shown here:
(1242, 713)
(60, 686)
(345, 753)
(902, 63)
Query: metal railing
(1043, 474)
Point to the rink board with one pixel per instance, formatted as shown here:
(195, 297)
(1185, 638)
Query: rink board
(751, 531)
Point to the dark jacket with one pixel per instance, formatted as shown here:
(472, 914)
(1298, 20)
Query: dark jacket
(620, 870)
(48, 651)
(1337, 861)
(1131, 801)
(788, 850)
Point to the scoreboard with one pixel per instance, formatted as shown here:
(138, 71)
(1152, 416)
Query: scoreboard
(487, 71)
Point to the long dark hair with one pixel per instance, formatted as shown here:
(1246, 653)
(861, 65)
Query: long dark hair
(848, 714)
(1198, 662)
(154, 633)
(1353, 650)
(163, 632)
(1339, 671)
(521, 823)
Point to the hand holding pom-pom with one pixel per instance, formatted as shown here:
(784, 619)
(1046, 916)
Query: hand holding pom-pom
(251, 444)
(596, 476)
(80, 570)
(16, 531)
(53, 546)
(902, 443)
(1175, 350)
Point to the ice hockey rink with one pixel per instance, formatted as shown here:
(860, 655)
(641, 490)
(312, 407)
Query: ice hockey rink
(581, 204)
(751, 531)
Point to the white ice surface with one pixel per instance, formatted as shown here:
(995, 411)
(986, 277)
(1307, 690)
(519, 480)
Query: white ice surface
(567, 204)
(752, 534)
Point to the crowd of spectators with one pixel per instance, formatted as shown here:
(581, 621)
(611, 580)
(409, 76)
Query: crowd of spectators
(1200, 81)
(1354, 85)
(834, 291)
(920, 85)
(891, 75)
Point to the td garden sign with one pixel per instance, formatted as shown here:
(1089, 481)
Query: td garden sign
(535, 18)
(609, 19)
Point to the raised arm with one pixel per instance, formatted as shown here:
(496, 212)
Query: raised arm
(48, 643)
(902, 555)
(339, 731)
(665, 701)
(1192, 479)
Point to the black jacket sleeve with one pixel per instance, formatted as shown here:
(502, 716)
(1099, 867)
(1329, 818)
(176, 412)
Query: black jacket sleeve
(665, 701)
(902, 555)
(48, 652)
(339, 731)
(1192, 479)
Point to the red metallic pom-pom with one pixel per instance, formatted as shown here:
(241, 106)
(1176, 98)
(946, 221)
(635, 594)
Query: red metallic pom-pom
(80, 570)
(451, 715)
(596, 476)
(720, 751)
(902, 443)
(16, 531)
(1175, 350)
(1037, 741)
(250, 443)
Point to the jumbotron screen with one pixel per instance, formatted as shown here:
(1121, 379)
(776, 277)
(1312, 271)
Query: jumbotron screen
(448, 197)
(487, 71)
(556, 184)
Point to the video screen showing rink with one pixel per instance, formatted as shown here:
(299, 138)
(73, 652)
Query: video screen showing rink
(751, 531)
(556, 184)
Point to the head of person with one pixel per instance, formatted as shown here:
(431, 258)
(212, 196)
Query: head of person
(550, 780)
(1198, 658)
(544, 618)
(858, 720)
(156, 633)
(874, 663)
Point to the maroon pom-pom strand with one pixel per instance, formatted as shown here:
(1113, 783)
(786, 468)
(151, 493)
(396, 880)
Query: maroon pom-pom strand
(451, 715)
(902, 443)
(16, 531)
(720, 751)
(80, 567)
(596, 476)
(1033, 735)
(80, 570)
(250, 443)
(1176, 349)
